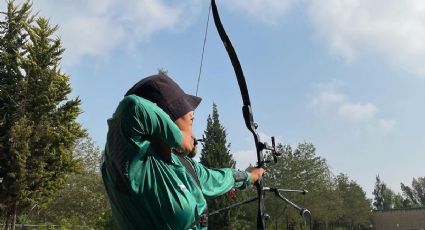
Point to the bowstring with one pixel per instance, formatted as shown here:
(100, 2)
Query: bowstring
(203, 50)
(202, 55)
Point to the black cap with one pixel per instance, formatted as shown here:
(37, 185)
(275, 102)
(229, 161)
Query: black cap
(163, 91)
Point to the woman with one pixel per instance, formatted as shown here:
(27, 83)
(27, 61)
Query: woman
(150, 180)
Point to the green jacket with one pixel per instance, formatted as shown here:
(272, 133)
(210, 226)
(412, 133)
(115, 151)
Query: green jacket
(146, 192)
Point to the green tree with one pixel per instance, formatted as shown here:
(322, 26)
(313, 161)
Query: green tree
(356, 208)
(82, 200)
(384, 197)
(38, 126)
(378, 193)
(216, 154)
(388, 198)
(163, 71)
(301, 169)
(14, 130)
(12, 125)
(415, 195)
(399, 201)
(333, 201)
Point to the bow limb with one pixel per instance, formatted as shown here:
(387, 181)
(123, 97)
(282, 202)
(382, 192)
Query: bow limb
(246, 109)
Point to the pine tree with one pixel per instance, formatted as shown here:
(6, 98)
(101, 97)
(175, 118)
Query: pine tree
(215, 150)
(13, 126)
(216, 154)
(378, 193)
(384, 197)
(38, 126)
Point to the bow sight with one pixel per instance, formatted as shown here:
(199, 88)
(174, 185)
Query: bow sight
(271, 149)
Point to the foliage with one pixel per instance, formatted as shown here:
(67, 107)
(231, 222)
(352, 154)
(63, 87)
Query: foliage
(378, 192)
(162, 71)
(82, 200)
(215, 150)
(415, 195)
(87, 154)
(399, 201)
(388, 198)
(330, 199)
(385, 198)
(298, 169)
(38, 126)
(356, 207)
(216, 154)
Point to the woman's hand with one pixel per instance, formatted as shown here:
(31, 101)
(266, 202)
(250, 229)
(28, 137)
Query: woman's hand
(256, 173)
(188, 142)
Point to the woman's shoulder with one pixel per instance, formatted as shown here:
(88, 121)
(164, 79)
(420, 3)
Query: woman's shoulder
(132, 103)
(136, 100)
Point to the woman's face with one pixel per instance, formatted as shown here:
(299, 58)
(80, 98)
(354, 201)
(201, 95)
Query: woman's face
(185, 122)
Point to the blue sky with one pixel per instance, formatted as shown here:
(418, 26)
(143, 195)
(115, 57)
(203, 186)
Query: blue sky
(347, 76)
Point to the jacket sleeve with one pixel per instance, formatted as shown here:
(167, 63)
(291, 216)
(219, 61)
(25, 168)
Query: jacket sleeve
(216, 182)
(141, 118)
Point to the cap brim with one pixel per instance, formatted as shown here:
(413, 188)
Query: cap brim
(183, 105)
(193, 101)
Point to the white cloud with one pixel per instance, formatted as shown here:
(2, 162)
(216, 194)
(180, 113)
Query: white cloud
(96, 27)
(268, 138)
(267, 11)
(149, 16)
(244, 158)
(392, 28)
(387, 125)
(333, 103)
(80, 38)
(328, 98)
(357, 111)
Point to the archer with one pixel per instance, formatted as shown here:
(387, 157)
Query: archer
(150, 178)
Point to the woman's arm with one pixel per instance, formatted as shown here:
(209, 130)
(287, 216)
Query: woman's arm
(141, 118)
(215, 182)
